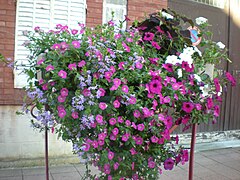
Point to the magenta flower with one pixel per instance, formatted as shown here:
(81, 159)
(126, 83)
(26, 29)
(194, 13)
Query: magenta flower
(167, 99)
(72, 66)
(117, 82)
(108, 75)
(95, 144)
(125, 137)
(175, 86)
(49, 68)
(86, 147)
(107, 168)
(135, 177)
(76, 44)
(110, 155)
(74, 115)
(216, 110)
(151, 164)
(117, 36)
(133, 151)
(116, 165)
(140, 127)
(102, 136)
(168, 67)
(64, 45)
(127, 49)
(156, 45)
(148, 36)
(125, 88)
(139, 65)
(217, 84)
(155, 87)
(154, 139)
(64, 92)
(99, 119)
(101, 92)
(62, 74)
(231, 79)
(139, 141)
(168, 164)
(81, 63)
(120, 65)
(116, 104)
(86, 92)
(45, 87)
(132, 100)
(112, 121)
(62, 113)
(60, 107)
(187, 107)
(120, 119)
(74, 31)
(115, 131)
(198, 107)
(61, 99)
(128, 123)
(40, 61)
(136, 114)
(209, 103)
(102, 105)
(113, 137)
(56, 46)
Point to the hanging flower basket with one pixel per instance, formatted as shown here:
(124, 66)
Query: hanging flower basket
(117, 95)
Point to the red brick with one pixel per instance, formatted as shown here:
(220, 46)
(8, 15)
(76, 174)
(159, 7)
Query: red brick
(10, 24)
(3, 11)
(2, 23)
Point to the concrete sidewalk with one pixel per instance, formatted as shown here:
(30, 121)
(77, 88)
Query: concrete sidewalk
(221, 164)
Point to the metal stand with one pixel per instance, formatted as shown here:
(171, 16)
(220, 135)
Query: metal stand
(46, 154)
(193, 140)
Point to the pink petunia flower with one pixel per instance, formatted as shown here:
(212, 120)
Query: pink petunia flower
(56, 46)
(151, 164)
(148, 36)
(101, 92)
(116, 104)
(187, 107)
(110, 155)
(198, 107)
(126, 48)
(74, 115)
(86, 92)
(61, 99)
(99, 119)
(72, 66)
(168, 67)
(154, 139)
(139, 141)
(125, 137)
(216, 110)
(121, 65)
(50, 68)
(132, 100)
(231, 78)
(156, 45)
(115, 131)
(117, 82)
(64, 92)
(136, 114)
(133, 151)
(140, 127)
(168, 164)
(102, 105)
(116, 165)
(125, 88)
(107, 168)
(81, 63)
(62, 74)
(74, 31)
(155, 87)
(112, 121)
(209, 103)
(76, 44)
(128, 123)
(139, 65)
(40, 61)
(62, 113)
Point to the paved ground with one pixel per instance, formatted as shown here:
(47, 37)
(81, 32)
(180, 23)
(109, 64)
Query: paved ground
(221, 164)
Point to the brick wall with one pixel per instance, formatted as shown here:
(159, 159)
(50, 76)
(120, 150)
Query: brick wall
(138, 9)
(94, 12)
(8, 95)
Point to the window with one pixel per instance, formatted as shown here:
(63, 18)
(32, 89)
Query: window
(215, 3)
(119, 7)
(45, 14)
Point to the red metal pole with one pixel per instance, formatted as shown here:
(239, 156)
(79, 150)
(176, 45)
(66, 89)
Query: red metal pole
(46, 154)
(193, 141)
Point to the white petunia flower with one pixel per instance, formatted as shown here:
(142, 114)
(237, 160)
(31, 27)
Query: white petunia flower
(221, 45)
(187, 58)
(197, 77)
(179, 72)
(201, 20)
(166, 15)
(205, 89)
(188, 51)
(172, 59)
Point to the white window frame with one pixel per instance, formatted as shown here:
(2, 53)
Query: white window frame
(20, 80)
(106, 5)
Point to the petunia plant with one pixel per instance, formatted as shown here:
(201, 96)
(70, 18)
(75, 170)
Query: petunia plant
(116, 94)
